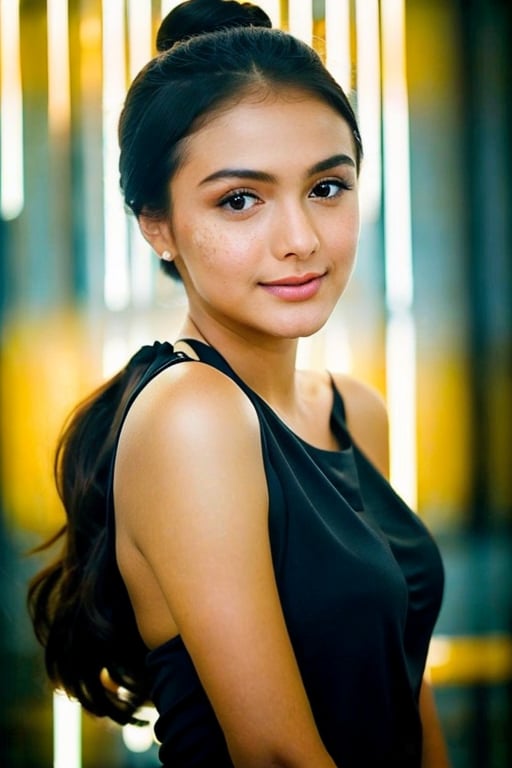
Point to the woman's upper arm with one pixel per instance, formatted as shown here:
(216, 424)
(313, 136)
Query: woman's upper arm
(190, 480)
(367, 420)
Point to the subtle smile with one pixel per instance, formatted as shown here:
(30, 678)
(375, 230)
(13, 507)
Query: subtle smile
(295, 287)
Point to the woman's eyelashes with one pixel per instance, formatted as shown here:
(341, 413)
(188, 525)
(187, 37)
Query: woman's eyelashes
(239, 200)
(329, 189)
(242, 200)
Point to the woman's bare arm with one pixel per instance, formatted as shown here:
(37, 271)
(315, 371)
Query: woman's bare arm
(190, 490)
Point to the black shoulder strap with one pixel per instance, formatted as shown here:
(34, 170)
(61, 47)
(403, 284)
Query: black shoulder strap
(209, 355)
(338, 402)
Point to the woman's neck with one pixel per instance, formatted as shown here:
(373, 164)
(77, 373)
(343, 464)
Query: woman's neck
(265, 364)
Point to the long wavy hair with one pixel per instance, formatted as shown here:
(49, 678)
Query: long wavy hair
(213, 52)
(78, 604)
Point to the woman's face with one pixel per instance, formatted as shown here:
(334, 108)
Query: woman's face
(264, 219)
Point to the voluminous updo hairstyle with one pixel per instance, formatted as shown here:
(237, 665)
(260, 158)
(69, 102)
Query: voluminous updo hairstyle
(212, 53)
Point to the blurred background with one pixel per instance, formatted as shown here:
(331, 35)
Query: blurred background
(426, 318)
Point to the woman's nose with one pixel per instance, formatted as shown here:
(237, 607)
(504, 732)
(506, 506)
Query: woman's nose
(295, 233)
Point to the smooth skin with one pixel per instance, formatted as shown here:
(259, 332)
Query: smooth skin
(267, 192)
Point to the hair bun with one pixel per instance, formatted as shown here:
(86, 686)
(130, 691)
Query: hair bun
(195, 17)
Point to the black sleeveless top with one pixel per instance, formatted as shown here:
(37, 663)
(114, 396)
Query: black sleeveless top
(360, 581)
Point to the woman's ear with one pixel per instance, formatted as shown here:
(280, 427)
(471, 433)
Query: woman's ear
(158, 234)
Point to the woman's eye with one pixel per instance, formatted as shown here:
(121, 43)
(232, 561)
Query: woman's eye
(239, 201)
(329, 188)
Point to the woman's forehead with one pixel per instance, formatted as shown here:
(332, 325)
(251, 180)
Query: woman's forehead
(258, 124)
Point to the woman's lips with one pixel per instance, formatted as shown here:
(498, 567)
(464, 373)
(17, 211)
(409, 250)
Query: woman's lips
(295, 287)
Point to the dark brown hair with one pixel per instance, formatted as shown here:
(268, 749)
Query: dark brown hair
(78, 604)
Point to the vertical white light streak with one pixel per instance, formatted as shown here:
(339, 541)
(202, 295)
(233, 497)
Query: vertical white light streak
(115, 352)
(396, 157)
(140, 51)
(401, 342)
(139, 34)
(11, 112)
(67, 732)
(300, 19)
(273, 10)
(116, 285)
(401, 400)
(168, 5)
(369, 105)
(337, 40)
(59, 107)
(337, 353)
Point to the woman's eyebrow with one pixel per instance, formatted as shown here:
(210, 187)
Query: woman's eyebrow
(269, 178)
(239, 173)
(331, 162)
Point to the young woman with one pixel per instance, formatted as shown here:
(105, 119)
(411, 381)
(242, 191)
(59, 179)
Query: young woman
(233, 550)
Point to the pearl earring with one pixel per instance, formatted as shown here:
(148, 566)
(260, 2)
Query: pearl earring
(166, 256)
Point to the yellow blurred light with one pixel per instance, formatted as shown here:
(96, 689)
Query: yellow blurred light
(47, 366)
(90, 37)
(90, 31)
(485, 659)
(59, 106)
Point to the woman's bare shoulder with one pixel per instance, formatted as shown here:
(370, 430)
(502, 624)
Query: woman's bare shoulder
(191, 398)
(190, 426)
(189, 460)
(367, 419)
